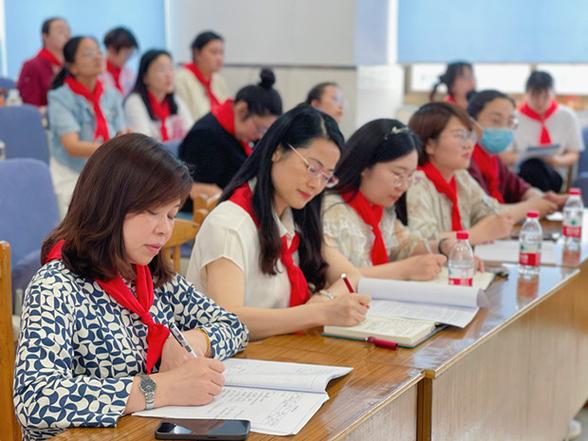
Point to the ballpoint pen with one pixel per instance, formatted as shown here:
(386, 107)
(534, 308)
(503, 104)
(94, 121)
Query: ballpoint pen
(181, 339)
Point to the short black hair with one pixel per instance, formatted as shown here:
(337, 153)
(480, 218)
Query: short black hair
(316, 93)
(477, 102)
(119, 38)
(46, 26)
(203, 38)
(539, 81)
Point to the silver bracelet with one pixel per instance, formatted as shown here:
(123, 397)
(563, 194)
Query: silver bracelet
(327, 294)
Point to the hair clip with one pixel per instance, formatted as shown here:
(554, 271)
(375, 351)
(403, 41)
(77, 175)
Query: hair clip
(396, 130)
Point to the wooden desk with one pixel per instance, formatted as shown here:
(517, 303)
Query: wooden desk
(375, 401)
(517, 372)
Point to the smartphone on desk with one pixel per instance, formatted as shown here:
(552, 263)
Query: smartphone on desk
(203, 429)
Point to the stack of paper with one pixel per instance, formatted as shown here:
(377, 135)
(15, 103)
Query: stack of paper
(277, 398)
(508, 251)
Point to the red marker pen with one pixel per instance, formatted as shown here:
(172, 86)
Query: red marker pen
(381, 343)
(347, 283)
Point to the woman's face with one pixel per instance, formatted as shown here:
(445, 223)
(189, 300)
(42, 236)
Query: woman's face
(294, 185)
(249, 127)
(88, 59)
(540, 100)
(385, 182)
(496, 114)
(146, 233)
(211, 57)
(452, 150)
(159, 77)
(464, 83)
(331, 102)
(120, 58)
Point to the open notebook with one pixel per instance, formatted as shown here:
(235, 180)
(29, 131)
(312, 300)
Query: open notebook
(278, 398)
(410, 312)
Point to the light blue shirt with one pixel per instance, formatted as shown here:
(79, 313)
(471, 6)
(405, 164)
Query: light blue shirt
(69, 113)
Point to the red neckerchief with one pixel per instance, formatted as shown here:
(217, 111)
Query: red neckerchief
(117, 289)
(115, 72)
(544, 137)
(449, 99)
(161, 111)
(225, 116)
(46, 54)
(488, 165)
(371, 215)
(93, 97)
(449, 189)
(243, 197)
(214, 102)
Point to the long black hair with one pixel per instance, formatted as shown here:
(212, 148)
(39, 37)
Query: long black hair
(380, 140)
(262, 99)
(453, 71)
(69, 57)
(140, 88)
(298, 128)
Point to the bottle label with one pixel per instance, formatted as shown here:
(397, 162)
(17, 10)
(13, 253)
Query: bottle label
(461, 282)
(571, 231)
(530, 259)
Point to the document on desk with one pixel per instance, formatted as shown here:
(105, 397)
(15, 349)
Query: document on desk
(508, 251)
(430, 301)
(278, 398)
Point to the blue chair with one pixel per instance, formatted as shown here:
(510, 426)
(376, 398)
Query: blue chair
(29, 213)
(7, 83)
(172, 146)
(22, 132)
(583, 161)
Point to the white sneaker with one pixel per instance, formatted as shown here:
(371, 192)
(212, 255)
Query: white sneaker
(574, 429)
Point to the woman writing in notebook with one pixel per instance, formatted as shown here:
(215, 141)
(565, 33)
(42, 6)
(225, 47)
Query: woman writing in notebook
(260, 253)
(82, 114)
(95, 343)
(359, 215)
(218, 144)
(494, 120)
(445, 198)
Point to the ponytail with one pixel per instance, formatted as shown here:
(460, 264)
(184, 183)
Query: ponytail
(60, 78)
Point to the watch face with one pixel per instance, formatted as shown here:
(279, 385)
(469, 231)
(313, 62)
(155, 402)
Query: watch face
(148, 385)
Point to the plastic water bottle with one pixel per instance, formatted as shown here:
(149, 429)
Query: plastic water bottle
(572, 219)
(461, 263)
(2, 150)
(530, 240)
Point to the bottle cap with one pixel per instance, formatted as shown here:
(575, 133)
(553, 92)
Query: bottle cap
(575, 191)
(463, 235)
(533, 214)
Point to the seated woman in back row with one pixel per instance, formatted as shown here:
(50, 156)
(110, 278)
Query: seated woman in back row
(95, 343)
(359, 215)
(260, 253)
(445, 198)
(153, 108)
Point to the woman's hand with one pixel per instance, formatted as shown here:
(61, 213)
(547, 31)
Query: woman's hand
(195, 382)
(422, 267)
(173, 355)
(346, 309)
(491, 228)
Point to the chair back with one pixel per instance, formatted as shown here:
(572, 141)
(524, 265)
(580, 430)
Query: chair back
(22, 132)
(29, 213)
(9, 428)
(184, 231)
(7, 83)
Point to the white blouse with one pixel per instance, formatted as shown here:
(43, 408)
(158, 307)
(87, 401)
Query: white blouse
(344, 228)
(194, 95)
(429, 212)
(229, 232)
(139, 121)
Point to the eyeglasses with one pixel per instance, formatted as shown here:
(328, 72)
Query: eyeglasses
(315, 170)
(463, 135)
(406, 181)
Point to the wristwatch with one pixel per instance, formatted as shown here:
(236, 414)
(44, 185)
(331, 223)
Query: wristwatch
(147, 386)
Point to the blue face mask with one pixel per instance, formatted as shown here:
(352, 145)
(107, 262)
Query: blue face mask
(496, 140)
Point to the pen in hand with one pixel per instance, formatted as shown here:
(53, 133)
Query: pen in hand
(347, 283)
(177, 334)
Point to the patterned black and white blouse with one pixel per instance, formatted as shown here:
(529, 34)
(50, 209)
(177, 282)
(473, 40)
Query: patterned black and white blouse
(79, 349)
